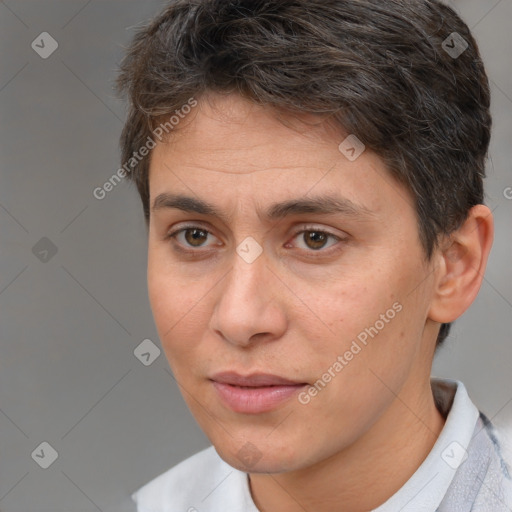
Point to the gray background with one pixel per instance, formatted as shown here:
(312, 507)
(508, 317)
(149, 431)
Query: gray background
(69, 325)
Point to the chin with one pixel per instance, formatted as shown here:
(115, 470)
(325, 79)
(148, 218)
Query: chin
(254, 456)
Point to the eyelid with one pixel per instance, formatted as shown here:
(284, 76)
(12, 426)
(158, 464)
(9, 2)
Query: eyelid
(313, 227)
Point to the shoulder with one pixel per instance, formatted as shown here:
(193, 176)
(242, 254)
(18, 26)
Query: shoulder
(503, 442)
(187, 486)
(492, 477)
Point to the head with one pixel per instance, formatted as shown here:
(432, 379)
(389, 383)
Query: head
(250, 110)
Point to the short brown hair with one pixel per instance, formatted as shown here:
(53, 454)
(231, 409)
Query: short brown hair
(380, 69)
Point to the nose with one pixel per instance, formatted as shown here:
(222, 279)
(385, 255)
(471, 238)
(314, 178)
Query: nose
(250, 305)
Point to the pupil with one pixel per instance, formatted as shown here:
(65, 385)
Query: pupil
(318, 239)
(196, 234)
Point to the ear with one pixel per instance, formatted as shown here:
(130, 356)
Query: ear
(460, 265)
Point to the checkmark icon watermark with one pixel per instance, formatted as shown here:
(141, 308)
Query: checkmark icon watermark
(44, 45)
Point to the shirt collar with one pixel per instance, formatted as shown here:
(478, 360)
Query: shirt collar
(425, 490)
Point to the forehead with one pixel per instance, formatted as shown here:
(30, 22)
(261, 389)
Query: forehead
(233, 129)
(230, 148)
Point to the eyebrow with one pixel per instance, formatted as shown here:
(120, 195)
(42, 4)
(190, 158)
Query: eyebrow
(322, 205)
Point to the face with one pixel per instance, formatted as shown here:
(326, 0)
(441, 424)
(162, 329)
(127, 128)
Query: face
(287, 283)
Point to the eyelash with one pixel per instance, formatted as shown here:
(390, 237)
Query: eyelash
(305, 229)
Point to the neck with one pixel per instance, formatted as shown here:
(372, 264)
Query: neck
(365, 474)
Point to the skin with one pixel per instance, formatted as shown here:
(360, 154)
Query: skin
(299, 306)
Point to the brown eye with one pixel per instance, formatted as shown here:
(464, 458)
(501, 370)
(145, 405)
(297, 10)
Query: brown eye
(315, 239)
(191, 237)
(312, 240)
(195, 237)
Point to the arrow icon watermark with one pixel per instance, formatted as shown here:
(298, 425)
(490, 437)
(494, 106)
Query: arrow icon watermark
(352, 148)
(146, 352)
(44, 250)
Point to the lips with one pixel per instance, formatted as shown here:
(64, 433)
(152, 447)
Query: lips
(254, 381)
(256, 393)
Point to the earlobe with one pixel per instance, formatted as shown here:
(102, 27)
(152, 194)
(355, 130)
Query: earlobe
(462, 260)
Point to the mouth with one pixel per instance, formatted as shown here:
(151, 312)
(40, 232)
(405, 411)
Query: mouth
(256, 393)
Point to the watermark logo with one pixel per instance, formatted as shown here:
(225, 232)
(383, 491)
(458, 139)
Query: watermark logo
(44, 250)
(356, 347)
(455, 45)
(454, 454)
(45, 455)
(249, 454)
(158, 133)
(352, 148)
(249, 250)
(44, 45)
(147, 352)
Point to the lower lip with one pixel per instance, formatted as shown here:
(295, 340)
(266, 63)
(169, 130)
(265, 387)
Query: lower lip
(255, 400)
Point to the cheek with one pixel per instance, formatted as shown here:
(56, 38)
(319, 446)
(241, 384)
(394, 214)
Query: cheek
(176, 306)
(344, 309)
(368, 320)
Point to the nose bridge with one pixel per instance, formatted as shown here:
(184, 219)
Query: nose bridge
(245, 306)
(250, 269)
